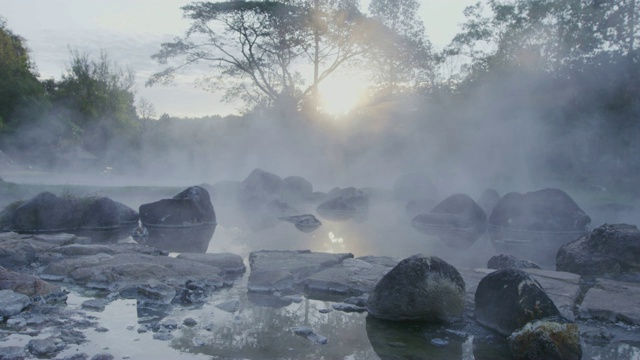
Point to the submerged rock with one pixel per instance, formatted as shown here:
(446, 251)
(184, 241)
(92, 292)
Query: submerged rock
(344, 205)
(458, 221)
(610, 251)
(423, 288)
(305, 223)
(504, 261)
(546, 339)
(508, 299)
(536, 224)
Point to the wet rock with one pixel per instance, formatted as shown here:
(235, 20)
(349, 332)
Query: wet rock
(546, 339)
(184, 223)
(46, 348)
(12, 303)
(420, 287)
(344, 307)
(488, 200)
(508, 299)
(608, 251)
(94, 304)
(227, 262)
(163, 336)
(16, 253)
(100, 213)
(30, 286)
(229, 306)
(305, 223)
(309, 334)
(599, 302)
(126, 215)
(102, 356)
(79, 250)
(350, 277)
(504, 261)
(12, 353)
(458, 221)
(344, 205)
(46, 212)
(563, 289)
(190, 322)
(534, 225)
(154, 292)
(414, 186)
(284, 270)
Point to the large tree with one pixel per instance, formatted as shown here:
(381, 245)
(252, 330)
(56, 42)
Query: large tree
(260, 51)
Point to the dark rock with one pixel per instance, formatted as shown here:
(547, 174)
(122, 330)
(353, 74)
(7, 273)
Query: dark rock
(344, 307)
(504, 261)
(419, 288)
(102, 356)
(488, 200)
(184, 223)
(414, 186)
(190, 322)
(458, 221)
(46, 212)
(305, 223)
(344, 205)
(534, 225)
(227, 262)
(46, 348)
(508, 299)
(126, 215)
(12, 303)
(99, 214)
(546, 339)
(608, 251)
(309, 334)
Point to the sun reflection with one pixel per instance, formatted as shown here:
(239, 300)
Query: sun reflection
(334, 239)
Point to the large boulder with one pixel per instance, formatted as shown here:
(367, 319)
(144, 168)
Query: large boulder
(184, 223)
(261, 200)
(345, 204)
(504, 261)
(508, 299)
(608, 251)
(100, 213)
(414, 186)
(536, 224)
(458, 221)
(46, 212)
(422, 288)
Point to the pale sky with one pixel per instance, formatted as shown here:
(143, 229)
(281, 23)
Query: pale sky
(130, 31)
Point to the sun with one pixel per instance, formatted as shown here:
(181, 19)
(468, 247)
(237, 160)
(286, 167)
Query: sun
(341, 93)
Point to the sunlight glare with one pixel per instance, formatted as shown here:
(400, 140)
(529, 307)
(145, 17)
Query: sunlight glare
(342, 93)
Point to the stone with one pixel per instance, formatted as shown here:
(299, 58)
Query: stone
(94, 304)
(80, 250)
(345, 204)
(12, 353)
(598, 303)
(546, 339)
(457, 220)
(422, 288)
(285, 270)
(100, 213)
(306, 223)
(28, 285)
(505, 261)
(227, 262)
(508, 299)
(608, 251)
(12, 303)
(536, 224)
(46, 212)
(126, 215)
(230, 306)
(102, 356)
(488, 200)
(46, 348)
(309, 334)
(16, 253)
(163, 336)
(351, 277)
(344, 307)
(190, 322)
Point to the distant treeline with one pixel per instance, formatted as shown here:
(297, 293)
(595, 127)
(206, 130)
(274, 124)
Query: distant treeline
(535, 90)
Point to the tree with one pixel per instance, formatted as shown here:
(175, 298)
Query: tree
(97, 97)
(19, 83)
(403, 56)
(257, 50)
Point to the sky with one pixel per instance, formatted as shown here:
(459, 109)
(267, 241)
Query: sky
(130, 31)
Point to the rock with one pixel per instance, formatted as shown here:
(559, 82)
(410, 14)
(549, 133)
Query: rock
(508, 299)
(190, 322)
(163, 336)
(16, 253)
(535, 225)
(350, 277)
(43, 348)
(154, 292)
(419, 288)
(100, 213)
(504, 261)
(94, 304)
(608, 251)
(305, 223)
(77, 356)
(59, 239)
(227, 262)
(563, 289)
(46, 212)
(488, 200)
(80, 250)
(458, 221)
(229, 306)
(102, 356)
(414, 186)
(12, 353)
(546, 339)
(309, 334)
(345, 204)
(612, 301)
(344, 307)
(126, 215)
(285, 270)
(184, 223)
(12, 303)
(261, 200)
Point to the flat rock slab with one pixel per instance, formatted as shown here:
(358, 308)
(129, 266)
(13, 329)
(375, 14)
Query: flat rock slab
(563, 288)
(352, 277)
(229, 263)
(613, 301)
(285, 270)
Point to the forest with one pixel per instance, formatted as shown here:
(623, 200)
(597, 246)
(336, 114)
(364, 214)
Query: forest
(529, 92)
